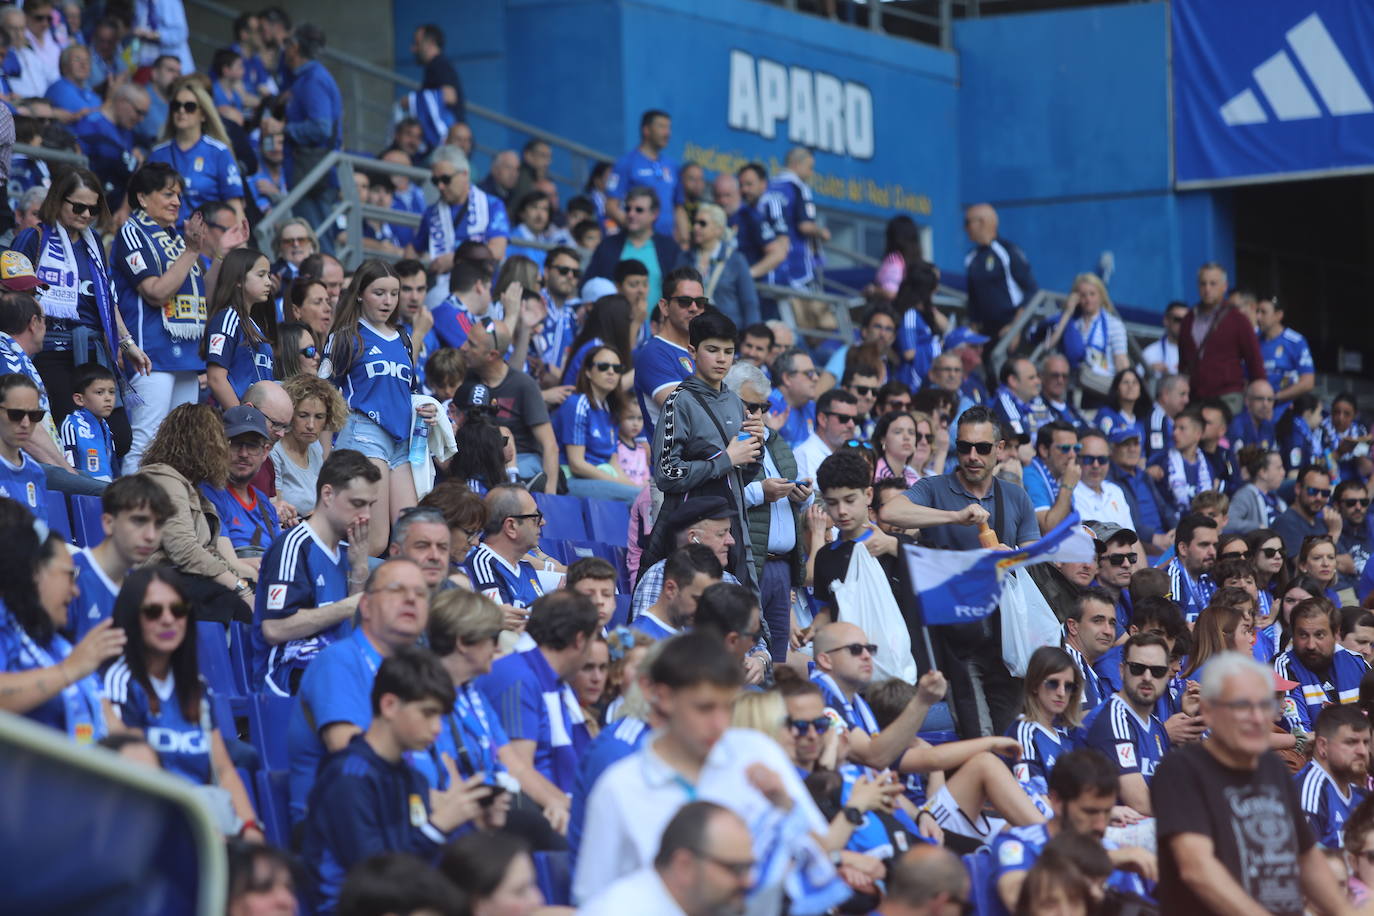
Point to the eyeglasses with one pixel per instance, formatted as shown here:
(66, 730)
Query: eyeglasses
(1088, 461)
(17, 416)
(1352, 503)
(1050, 375)
(963, 447)
(609, 367)
(441, 180)
(296, 240)
(801, 726)
(309, 352)
(1324, 493)
(755, 406)
(1236, 555)
(856, 649)
(844, 418)
(686, 302)
(1054, 685)
(740, 870)
(1268, 708)
(1122, 559)
(179, 609)
(188, 107)
(924, 437)
(1065, 448)
(81, 209)
(864, 391)
(566, 271)
(1158, 672)
(812, 373)
(1271, 552)
(857, 443)
(522, 517)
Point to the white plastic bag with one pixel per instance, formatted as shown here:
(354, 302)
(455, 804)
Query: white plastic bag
(865, 599)
(1028, 622)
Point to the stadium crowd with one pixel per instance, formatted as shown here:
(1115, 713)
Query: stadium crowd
(548, 565)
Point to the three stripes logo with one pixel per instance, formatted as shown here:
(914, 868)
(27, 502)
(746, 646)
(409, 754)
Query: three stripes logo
(1283, 88)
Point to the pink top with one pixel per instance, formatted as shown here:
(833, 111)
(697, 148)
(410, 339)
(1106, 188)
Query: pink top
(634, 461)
(891, 272)
(641, 523)
(883, 472)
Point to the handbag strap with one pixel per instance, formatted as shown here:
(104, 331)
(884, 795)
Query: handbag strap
(997, 508)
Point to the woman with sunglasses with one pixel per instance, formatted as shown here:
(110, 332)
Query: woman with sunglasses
(534, 215)
(156, 688)
(588, 432)
(932, 445)
(1271, 572)
(79, 307)
(1051, 709)
(42, 676)
(1127, 405)
(195, 144)
(1317, 559)
(895, 440)
(714, 252)
(296, 350)
(317, 411)
(608, 324)
(295, 241)
(1257, 504)
(21, 414)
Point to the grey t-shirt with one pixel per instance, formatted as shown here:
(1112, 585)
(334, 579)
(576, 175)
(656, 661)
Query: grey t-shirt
(296, 484)
(520, 406)
(945, 491)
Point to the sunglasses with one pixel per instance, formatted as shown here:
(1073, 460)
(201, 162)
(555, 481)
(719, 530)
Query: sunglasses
(857, 649)
(567, 271)
(963, 447)
(1055, 685)
(17, 416)
(702, 223)
(800, 726)
(46, 17)
(899, 406)
(1352, 503)
(81, 209)
(844, 418)
(609, 367)
(864, 391)
(296, 240)
(441, 180)
(309, 352)
(755, 406)
(686, 302)
(1158, 672)
(924, 437)
(857, 443)
(188, 107)
(1121, 559)
(1065, 448)
(179, 609)
(1236, 555)
(1324, 493)
(1271, 552)
(638, 210)
(1088, 461)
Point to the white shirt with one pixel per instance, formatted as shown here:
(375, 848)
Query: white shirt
(634, 800)
(642, 892)
(1163, 351)
(1108, 506)
(809, 456)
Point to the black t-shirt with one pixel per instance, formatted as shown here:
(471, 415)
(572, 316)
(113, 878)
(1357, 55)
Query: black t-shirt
(1253, 818)
(832, 564)
(439, 72)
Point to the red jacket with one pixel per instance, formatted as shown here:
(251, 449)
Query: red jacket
(1216, 368)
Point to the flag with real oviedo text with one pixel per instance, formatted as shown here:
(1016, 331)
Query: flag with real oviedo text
(963, 586)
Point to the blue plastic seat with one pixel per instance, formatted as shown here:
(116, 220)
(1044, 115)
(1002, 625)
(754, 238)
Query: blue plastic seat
(268, 719)
(622, 610)
(58, 519)
(274, 806)
(241, 655)
(86, 528)
(609, 521)
(564, 519)
(212, 648)
(622, 572)
(553, 871)
(982, 883)
(581, 550)
(555, 548)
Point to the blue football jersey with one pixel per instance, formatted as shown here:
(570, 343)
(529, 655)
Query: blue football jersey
(227, 345)
(798, 206)
(245, 525)
(1325, 805)
(89, 444)
(633, 170)
(1136, 745)
(26, 484)
(659, 364)
(96, 600)
(1040, 748)
(1287, 358)
(652, 627)
(380, 381)
(182, 744)
(170, 334)
(209, 168)
(491, 575)
(297, 572)
(582, 422)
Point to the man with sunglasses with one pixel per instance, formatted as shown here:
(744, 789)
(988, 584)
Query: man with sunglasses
(1162, 355)
(1310, 514)
(1125, 727)
(562, 271)
(1118, 556)
(665, 362)
(1053, 473)
(862, 381)
(837, 418)
(1356, 542)
(641, 241)
(1018, 401)
(498, 567)
(462, 213)
(1095, 497)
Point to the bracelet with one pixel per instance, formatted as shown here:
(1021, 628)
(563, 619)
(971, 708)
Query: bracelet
(250, 824)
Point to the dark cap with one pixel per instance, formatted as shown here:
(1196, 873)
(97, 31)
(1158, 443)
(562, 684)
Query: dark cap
(1122, 434)
(1107, 532)
(699, 509)
(243, 419)
(473, 395)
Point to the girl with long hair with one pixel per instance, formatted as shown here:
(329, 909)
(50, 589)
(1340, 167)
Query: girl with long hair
(296, 351)
(1224, 625)
(1051, 708)
(608, 324)
(155, 687)
(589, 685)
(307, 302)
(1127, 405)
(237, 346)
(1090, 335)
(588, 431)
(371, 364)
(1271, 572)
(895, 439)
(195, 144)
(480, 461)
(1317, 559)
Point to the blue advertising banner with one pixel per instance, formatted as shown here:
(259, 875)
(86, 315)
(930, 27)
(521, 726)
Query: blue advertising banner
(1270, 90)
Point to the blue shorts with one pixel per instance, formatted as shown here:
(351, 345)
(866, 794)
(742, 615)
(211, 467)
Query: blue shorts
(362, 434)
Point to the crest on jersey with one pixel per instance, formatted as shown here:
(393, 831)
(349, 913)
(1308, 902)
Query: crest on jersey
(92, 460)
(32, 493)
(686, 363)
(216, 345)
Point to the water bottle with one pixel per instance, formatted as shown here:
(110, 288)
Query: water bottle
(419, 442)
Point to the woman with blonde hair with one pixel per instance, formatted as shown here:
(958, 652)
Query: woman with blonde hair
(1092, 337)
(317, 411)
(1224, 625)
(195, 144)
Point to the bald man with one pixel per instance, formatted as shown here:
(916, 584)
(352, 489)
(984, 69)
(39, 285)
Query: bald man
(272, 401)
(926, 881)
(999, 274)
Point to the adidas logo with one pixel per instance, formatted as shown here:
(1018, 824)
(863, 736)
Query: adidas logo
(319, 581)
(375, 351)
(1283, 88)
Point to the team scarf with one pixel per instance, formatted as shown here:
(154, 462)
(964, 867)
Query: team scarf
(80, 699)
(1045, 474)
(443, 235)
(564, 714)
(427, 106)
(166, 240)
(1179, 486)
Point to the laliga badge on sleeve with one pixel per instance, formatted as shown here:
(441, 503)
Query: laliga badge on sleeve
(418, 816)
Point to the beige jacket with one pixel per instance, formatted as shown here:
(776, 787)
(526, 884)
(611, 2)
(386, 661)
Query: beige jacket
(189, 538)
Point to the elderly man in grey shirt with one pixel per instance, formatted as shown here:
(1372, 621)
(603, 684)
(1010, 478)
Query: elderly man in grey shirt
(985, 697)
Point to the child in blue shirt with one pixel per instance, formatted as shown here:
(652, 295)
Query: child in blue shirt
(86, 437)
(242, 322)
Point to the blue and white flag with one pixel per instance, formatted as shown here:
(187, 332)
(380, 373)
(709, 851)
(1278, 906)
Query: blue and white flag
(962, 586)
(427, 106)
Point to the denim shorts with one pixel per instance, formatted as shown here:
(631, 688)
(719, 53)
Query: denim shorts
(365, 436)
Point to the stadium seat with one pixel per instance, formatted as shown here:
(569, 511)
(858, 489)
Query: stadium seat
(564, 519)
(268, 718)
(982, 889)
(212, 647)
(241, 656)
(555, 548)
(58, 519)
(623, 585)
(553, 871)
(246, 778)
(274, 806)
(580, 550)
(609, 520)
(86, 527)
(622, 611)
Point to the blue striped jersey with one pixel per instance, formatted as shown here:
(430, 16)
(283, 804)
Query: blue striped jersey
(227, 345)
(1136, 745)
(296, 573)
(1325, 805)
(517, 586)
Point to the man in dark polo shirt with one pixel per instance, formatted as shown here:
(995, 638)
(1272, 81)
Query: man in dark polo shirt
(972, 653)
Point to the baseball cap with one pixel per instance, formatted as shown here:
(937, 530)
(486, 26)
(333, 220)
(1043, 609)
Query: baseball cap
(698, 509)
(1282, 683)
(1123, 433)
(17, 273)
(963, 335)
(473, 395)
(1106, 531)
(597, 287)
(244, 419)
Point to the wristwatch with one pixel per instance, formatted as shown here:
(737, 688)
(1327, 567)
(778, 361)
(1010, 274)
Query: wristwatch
(241, 587)
(854, 816)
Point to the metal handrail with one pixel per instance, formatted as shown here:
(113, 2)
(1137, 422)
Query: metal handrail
(63, 156)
